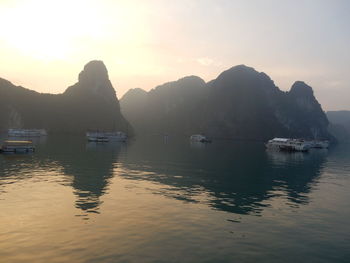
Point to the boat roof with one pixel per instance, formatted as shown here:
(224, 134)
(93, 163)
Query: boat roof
(18, 142)
(280, 139)
(26, 129)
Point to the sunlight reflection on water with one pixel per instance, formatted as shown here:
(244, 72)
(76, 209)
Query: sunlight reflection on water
(150, 201)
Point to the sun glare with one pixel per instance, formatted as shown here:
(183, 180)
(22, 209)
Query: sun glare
(48, 30)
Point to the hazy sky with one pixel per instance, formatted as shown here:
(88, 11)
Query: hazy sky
(45, 44)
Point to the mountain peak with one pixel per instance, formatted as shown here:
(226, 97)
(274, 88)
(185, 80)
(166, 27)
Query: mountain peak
(301, 89)
(241, 67)
(93, 79)
(244, 77)
(93, 70)
(136, 92)
(187, 83)
(193, 81)
(244, 71)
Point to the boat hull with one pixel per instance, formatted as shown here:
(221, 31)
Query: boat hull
(29, 150)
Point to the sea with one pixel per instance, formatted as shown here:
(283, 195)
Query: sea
(156, 199)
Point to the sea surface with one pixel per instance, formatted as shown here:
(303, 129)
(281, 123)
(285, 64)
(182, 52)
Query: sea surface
(167, 200)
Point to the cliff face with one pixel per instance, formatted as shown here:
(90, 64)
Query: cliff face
(135, 101)
(240, 103)
(169, 108)
(303, 115)
(94, 81)
(91, 103)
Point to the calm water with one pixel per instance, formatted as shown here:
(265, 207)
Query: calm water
(156, 201)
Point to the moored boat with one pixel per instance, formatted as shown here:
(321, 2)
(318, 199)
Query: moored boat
(110, 136)
(11, 146)
(287, 144)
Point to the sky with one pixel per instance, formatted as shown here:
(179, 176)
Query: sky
(44, 44)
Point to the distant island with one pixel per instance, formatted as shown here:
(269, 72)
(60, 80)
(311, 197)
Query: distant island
(90, 104)
(340, 124)
(240, 103)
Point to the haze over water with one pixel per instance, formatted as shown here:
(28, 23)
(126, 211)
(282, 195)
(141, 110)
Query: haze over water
(151, 200)
(146, 43)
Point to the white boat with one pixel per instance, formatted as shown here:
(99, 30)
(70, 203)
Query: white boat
(10, 146)
(286, 144)
(111, 136)
(199, 138)
(26, 132)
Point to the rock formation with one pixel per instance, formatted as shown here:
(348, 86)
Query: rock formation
(240, 103)
(91, 103)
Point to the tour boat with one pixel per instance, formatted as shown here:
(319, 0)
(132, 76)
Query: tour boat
(286, 144)
(26, 132)
(110, 136)
(17, 147)
(199, 138)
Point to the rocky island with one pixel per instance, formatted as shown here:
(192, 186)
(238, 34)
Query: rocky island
(240, 103)
(91, 103)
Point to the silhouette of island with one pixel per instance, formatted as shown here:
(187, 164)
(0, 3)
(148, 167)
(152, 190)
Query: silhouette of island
(340, 124)
(240, 103)
(91, 103)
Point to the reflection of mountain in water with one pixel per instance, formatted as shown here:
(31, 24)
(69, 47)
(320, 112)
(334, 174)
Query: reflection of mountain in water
(297, 171)
(17, 167)
(86, 167)
(89, 164)
(235, 177)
